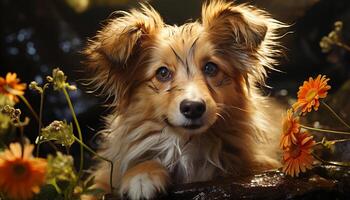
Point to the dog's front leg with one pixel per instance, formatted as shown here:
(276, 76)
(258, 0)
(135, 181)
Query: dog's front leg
(144, 180)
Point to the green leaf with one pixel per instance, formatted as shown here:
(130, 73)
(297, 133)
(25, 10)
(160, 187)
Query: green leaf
(60, 168)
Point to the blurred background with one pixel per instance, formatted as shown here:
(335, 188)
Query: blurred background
(39, 35)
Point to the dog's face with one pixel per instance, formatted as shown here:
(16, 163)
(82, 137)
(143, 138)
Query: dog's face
(187, 80)
(183, 77)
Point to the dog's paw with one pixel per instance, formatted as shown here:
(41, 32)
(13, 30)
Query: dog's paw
(144, 181)
(142, 186)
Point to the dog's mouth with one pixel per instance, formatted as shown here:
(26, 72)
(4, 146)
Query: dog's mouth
(191, 125)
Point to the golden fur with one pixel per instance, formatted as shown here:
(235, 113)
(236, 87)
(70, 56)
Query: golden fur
(144, 135)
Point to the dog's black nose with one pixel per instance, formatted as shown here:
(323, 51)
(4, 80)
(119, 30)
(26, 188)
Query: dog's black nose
(192, 109)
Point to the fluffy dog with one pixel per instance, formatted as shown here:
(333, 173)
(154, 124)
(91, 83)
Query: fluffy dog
(186, 103)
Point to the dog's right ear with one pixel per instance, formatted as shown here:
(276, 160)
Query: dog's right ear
(110, 53)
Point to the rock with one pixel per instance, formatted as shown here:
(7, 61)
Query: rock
(323, 182)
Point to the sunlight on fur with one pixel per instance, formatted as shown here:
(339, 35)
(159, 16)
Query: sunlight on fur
(185, 101)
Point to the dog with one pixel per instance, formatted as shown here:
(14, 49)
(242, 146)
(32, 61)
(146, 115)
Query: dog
(186, 104)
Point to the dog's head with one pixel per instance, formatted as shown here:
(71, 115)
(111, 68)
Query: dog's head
(184, 77)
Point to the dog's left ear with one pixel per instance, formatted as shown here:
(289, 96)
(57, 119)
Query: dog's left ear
(229, 23)
(246, 36)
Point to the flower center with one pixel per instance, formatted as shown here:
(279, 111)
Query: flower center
(310, 95)
(19, 169)
(295, 151)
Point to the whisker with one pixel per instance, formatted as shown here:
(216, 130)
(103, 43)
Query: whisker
(224, 111)
(218, 114)
(172, 88)
(153, 87)
(230, 106)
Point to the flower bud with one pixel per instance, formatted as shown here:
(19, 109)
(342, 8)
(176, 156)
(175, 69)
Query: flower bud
(58, 131)
(34, 86)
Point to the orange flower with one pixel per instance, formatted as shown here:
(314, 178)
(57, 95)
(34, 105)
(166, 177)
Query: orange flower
(310, 93)
(290, 128)
(11, 86)
(297, 158)
(21, 175)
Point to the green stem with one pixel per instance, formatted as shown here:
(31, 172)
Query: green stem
(20, 125)
(67, 150)
(325, 130)
(335, 114)
(81, 165)
(29, 107)
(58, 189)
(21, 130)
(333, 141)
(341, 140)
(53, 145)
(40, 117)
(335, 163)
(344, 46)
(100, 157)
(37, 149)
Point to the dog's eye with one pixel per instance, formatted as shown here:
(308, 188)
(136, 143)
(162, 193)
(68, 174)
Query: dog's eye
(163, 74)
(210, 69)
